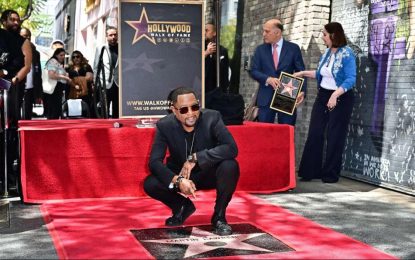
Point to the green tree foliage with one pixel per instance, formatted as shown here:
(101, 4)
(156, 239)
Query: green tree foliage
(227, 37)
(35, 20)
(17, 5)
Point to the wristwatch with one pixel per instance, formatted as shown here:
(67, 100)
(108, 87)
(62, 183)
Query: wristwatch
(174, 186)
(177, 183)
(171, 186)
(192, 158)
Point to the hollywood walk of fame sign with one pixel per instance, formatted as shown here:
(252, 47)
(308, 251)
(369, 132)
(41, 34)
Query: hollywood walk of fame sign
(161, 48)
(200, 242)
(285, 97)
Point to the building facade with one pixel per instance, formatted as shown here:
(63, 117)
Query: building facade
(81, 24)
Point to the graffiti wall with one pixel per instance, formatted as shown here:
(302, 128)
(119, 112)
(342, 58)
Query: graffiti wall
(381, 142)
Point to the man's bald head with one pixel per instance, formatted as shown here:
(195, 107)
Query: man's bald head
(272, 31)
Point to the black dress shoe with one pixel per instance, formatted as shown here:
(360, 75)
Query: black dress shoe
(222, 228)
(330, 179)
(180, 216)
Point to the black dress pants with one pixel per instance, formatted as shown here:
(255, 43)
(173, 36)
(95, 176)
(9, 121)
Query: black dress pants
(112, 97)
(336, 122)
(53, 102)
(223, 177)
(14, 102)
(28, 101)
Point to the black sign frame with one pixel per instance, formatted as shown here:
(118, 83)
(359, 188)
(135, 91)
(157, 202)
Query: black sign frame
(161, 48)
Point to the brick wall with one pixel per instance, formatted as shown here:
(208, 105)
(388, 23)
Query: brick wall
(380, 146)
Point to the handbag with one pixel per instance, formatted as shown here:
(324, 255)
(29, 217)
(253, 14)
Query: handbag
(251, 112)
(48, 84)
(83, 88)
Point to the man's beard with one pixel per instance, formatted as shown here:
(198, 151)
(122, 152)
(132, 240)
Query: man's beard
(14, 29)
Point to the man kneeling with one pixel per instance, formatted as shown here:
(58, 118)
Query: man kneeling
(202, 156)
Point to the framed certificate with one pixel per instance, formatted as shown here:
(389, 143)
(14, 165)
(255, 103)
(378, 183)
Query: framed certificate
(285, 96)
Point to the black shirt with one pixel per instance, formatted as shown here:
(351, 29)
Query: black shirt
(11, 43)
(114, 54)
(81, 72)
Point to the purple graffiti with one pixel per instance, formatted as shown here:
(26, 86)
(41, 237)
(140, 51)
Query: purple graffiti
(400, 48)
(382, 6)
(382, 34)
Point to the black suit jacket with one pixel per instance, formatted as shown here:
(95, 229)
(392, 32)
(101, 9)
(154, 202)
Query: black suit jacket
(210, 70)
(213, 143)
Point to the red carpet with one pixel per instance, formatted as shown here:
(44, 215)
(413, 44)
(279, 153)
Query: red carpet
(101, 228)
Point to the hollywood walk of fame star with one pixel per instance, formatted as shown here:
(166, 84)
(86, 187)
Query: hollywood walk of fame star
(141, 28)
(140, 62)
(201, 241)
(288, 88)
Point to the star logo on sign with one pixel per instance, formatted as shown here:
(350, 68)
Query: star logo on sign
(164, 31)
(201, 241)
(288, 88)
(141, 28)
(140, 62)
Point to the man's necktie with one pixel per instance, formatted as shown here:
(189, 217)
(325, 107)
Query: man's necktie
(275, 55)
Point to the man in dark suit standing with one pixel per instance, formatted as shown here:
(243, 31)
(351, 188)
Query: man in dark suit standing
(274, 56)
(33, 90)
(210, 61)
(202, 155)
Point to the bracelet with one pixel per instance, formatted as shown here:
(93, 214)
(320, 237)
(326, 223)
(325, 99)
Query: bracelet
(177, 183)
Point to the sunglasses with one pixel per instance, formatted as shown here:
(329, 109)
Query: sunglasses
(76, 57)
(185, 110)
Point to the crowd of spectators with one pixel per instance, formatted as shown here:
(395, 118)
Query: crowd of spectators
(23, 79)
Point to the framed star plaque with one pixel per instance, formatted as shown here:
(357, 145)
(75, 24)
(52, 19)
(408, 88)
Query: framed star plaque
(285, 97)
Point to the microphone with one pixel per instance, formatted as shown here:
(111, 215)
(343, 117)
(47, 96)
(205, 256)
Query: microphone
(117, 125)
